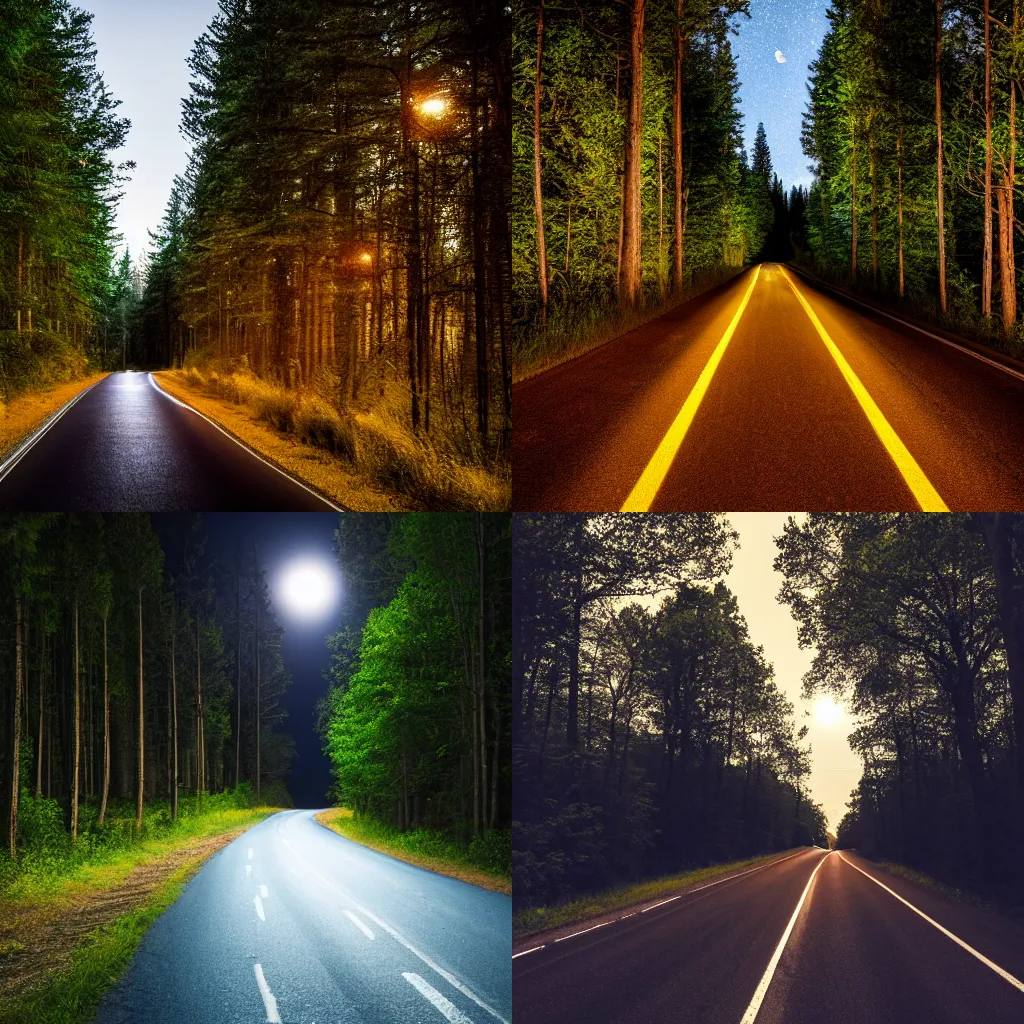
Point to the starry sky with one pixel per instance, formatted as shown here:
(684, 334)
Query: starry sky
(777, 93)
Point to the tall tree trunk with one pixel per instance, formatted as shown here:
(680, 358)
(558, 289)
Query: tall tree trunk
(142, 720)
(938, 134)
(538, 202)
(630, 279)
(1007, 261)
(78, 729)
(873, 161)
(853, 207)
(899, 202)
(481, 548)
(16, 752)
(174, 717)
(258, 600)
(986, 260)
(200, 738)
(106, 726)
(238, 674)
(42, 707)
(677, 151)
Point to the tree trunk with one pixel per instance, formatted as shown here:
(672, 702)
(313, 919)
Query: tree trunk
(174, 718)
(986, 260)
(538, 202)
(42, 707)
(938, 133)
(200, 739)
(899, 202)
(1007, 262)
(481, 549)
(141, 771)
(238, 675)
(16, 758)
(853, 208)
(78, 727)
(677, 152)
(630, 279)
(258, 599)
(106, 726)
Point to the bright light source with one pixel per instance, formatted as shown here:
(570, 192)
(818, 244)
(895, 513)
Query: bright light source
(827, 712)
(434, 107)
(308, 588)
(366, 257)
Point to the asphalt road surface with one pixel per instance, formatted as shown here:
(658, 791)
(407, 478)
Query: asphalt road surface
(780, 425)
(746, 950)
(125, 445)
(293, 924)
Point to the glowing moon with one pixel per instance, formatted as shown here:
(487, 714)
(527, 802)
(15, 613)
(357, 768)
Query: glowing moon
(308, 588)
(780, 57)
(827, 712)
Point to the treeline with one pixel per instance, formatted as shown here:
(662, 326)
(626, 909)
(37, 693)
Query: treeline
(60, 294)
(917, 622)
(343, 226)
(134, 669)
(417, 723)
(629, 177)
(649, 734)
(912, 127)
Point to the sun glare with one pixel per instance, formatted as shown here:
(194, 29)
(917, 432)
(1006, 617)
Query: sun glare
(307, 588)
(435, 106)
(827, 712)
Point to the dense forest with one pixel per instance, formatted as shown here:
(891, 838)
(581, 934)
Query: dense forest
(343, 225)
(912, 130)
(630, 182)
(417, 723)
(917, 623)
(649, 732)
(65, 299)
(137, 669)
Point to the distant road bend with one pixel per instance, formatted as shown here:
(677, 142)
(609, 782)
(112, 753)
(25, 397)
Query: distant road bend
(126, 445)
(293, 924)
(813, 937)
(770, 393)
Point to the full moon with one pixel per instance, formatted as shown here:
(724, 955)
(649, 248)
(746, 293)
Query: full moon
(780, 57)
(307, 588)
(827, 712)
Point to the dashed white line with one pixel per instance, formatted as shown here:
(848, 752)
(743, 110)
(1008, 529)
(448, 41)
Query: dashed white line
(398, 937)
(259, 907)
(532, 949)
(269, 1002)
(263, 891)
(766, 978)
(359, 924)
(449, 1009)
(1005, 975)
(593, 928)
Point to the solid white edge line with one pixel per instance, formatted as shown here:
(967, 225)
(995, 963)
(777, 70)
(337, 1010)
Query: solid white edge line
(766, 978)
(359, 924)
(532, 949)
(269, 1002)
(442, 1005)
(1005, 975)
(259, 907)
(251, 451)
(263, 892)
(19, 453)
(922, 330)
(592, 928)
(398, 937)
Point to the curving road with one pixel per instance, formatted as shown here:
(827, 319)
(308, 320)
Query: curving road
(126, 445)
(292, 923)
(813, 937)
(920, 424)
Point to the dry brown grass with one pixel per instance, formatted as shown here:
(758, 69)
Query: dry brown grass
(377, 462)
(29, 411)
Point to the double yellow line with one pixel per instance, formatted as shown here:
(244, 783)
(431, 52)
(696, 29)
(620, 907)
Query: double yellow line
(646, 489)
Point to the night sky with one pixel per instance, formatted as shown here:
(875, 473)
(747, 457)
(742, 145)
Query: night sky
(280, 538)
(777, 93)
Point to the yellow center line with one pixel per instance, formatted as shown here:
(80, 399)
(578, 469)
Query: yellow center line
(921, 487)
(646, 488)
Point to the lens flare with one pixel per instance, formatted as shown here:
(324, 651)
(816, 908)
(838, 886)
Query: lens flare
(307, 588)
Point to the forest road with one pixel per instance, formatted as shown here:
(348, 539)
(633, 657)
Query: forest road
(125, 445)
(292, 923)
(666, 419)
(853, 953)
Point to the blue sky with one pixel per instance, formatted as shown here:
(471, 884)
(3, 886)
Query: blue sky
(777, 93)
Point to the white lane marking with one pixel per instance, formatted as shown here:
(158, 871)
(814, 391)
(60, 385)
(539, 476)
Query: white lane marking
(269, 1002)
(248, 869)
(22, 450)
(914, 327)
(250, 853)
(256, 455)
(259, 907)
(398, 937)
(1005, 975)
(766, 978)
(359, 924)
(592, 928)
(450, 1010)
(532, 949)
(263, 891)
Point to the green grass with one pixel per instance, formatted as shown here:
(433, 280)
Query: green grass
(485, 862)
(531, 920)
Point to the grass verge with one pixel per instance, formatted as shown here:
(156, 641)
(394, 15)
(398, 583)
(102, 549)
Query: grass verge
(477, 864)
(365, 460)
(27, 413)
(531, 920)
(75, 936)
